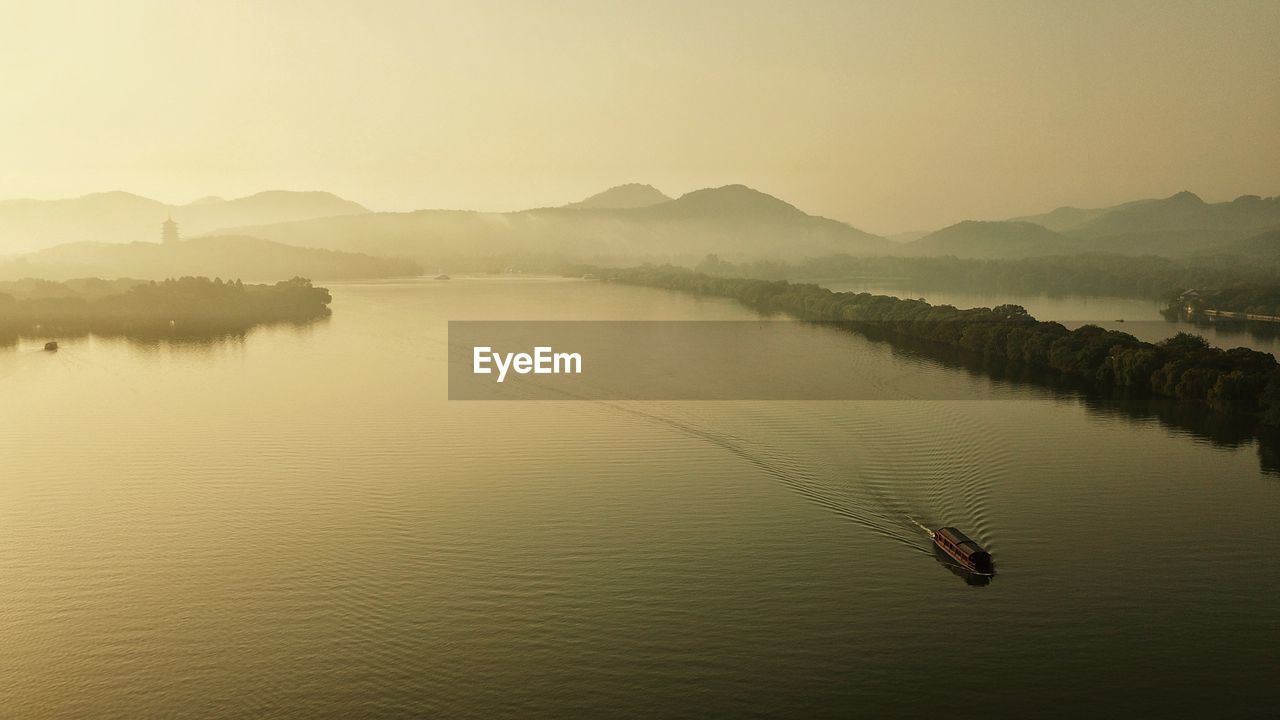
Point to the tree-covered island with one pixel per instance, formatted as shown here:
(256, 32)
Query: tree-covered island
(188, 305)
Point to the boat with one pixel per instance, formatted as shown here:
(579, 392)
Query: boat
(969, 577)
(442, 276)
(51, 345)
(963, 550)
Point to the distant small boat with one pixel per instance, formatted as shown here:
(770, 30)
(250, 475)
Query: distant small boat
(960, 548)
(442, 276)
(588, 276)
(51, 345)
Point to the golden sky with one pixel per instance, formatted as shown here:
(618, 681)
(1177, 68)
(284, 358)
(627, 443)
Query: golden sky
(890, 115)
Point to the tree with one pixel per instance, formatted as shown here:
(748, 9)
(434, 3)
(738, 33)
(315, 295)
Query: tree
(1185, 342)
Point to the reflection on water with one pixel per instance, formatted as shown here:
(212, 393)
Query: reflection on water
(1227, 430)
(154, 339)
(297, 523)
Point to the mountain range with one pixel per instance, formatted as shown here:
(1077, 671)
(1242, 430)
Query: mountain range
(121, 217)
(1179, 225)
(625, 224)
(246, 258)
(622, 225)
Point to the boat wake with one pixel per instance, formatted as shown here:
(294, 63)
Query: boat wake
(896, 468)
(899, 469)
(875, 489)
(925, 528)
(786, 470)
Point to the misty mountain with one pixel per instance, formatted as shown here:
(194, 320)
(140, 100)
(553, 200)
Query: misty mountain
(121, 217)
(734, 221)
(908, 236)
(1263, 245)
(1063, 218)
(977, 239)
(1185, 211)
(271, 206)
(737, 201)
(228, 257)
(631, 195)
(1180, 224)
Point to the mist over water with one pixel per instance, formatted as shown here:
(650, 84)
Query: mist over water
(297, 523)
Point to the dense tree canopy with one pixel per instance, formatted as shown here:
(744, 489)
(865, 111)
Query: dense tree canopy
(188, 304)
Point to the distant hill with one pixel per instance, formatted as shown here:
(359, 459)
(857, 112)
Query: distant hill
(728, 201)
(908, 236)
(228, 257)
(1063, 218)
(1263, 245)
(265, 207)
(121, 217)
(1177, 225)
(975, 239)
(631, 195)
(1175, 212)
(734, 221)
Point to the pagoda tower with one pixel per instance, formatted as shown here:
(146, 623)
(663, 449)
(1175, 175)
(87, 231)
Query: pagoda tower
(169, 231)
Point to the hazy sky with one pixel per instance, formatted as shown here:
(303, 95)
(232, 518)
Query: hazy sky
(892, 116)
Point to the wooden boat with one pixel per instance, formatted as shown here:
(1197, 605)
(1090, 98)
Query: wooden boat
(51, 345)
(960, 548)
(969, 577)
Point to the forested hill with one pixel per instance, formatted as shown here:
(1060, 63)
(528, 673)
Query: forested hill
(1184, 367)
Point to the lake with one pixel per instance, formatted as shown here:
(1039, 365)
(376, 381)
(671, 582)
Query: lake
(297, 523)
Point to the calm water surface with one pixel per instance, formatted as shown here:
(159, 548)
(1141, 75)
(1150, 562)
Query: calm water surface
(298, 524)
